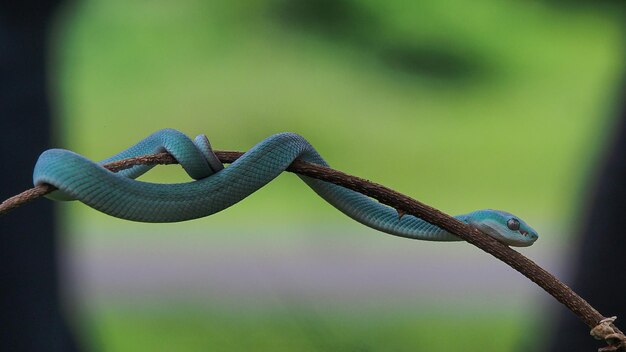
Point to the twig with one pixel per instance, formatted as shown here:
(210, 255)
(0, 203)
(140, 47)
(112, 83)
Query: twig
(41, 190)
(602, 327)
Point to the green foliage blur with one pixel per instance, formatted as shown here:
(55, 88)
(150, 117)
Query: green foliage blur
(461, 104)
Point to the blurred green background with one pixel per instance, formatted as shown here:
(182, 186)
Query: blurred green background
(462, 105)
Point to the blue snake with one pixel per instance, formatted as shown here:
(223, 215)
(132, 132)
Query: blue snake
(216, 188)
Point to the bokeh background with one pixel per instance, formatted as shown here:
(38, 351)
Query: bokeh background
(462, 105)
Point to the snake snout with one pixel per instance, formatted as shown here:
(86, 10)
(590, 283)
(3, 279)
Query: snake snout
(531, 235)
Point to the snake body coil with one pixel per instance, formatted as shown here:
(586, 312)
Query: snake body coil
(217, 188)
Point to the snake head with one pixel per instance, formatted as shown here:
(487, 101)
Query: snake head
(504, 227)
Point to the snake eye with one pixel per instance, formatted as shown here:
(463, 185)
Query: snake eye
(513, 224)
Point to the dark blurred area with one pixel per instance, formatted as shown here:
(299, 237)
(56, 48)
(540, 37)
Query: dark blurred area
(354, 25)
(32, 318)
(598, 264)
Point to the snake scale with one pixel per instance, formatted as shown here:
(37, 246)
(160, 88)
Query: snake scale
(216, 188)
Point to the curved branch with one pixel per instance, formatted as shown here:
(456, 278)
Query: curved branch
(602, 327)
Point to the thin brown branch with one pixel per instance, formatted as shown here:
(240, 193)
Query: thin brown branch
(603, 328)
(115, 166)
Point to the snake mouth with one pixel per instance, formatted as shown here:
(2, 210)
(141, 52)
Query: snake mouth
(531, 236)
(530, 239)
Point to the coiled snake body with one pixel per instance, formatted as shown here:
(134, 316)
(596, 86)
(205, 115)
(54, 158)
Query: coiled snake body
(217, 188)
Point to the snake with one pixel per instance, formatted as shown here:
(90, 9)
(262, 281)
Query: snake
(215, 187)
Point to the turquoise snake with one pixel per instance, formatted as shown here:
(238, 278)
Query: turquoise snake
(216, 188)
